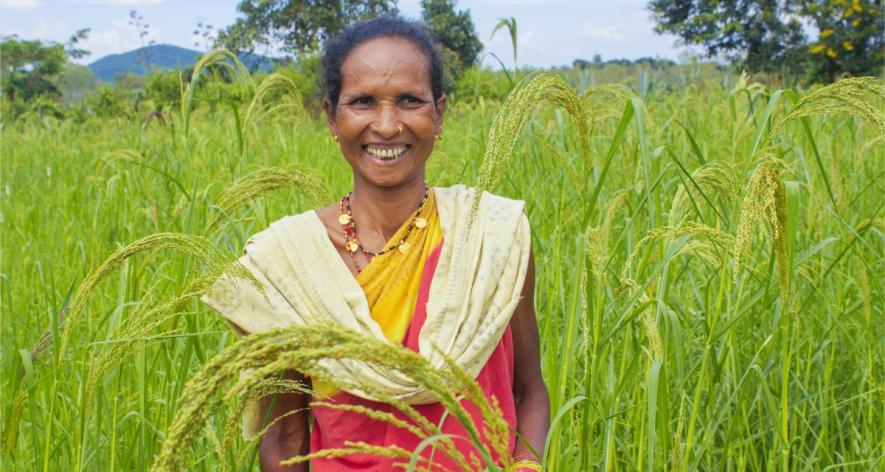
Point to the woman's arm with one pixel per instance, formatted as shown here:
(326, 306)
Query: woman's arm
(289, 436)
(529, 391)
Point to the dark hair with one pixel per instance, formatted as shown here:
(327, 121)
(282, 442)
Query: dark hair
(336, 49)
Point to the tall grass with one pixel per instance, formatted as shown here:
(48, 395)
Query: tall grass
(709, 265)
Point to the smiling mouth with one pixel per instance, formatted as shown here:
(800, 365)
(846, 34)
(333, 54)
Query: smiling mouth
(386, 152)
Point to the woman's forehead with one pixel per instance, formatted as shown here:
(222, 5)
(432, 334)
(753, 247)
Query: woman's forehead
(393, 61)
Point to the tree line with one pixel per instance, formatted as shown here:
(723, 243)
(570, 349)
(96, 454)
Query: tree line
(813, 40)
(821, 40)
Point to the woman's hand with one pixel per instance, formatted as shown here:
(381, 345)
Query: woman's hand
(529, 391)
(290, 435)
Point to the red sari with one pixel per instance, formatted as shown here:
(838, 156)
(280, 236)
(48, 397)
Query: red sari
(332, 427)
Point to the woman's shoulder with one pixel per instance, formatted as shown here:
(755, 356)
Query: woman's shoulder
(328, 215)
(462, 197)
(465, 191)
(305, 221)
(457, 203)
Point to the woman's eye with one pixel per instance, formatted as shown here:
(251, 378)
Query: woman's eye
(361, 101)
(410, 100)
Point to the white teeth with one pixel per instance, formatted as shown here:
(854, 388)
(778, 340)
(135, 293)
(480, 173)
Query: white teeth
(385, 153)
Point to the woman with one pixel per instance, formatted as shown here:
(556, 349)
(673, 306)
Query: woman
(472, 292)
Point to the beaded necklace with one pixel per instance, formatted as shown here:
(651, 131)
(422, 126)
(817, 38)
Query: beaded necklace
(351, 241)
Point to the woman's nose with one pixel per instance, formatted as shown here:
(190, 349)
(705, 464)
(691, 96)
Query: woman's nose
(387, 124)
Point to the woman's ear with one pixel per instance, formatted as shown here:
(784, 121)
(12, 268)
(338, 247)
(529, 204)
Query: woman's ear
(440, 112)
(330, 116)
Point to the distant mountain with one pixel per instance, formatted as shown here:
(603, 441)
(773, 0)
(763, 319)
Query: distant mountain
(161, 56)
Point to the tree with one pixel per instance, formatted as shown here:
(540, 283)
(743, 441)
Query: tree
(72, 47)
(455, 33)
(581, 64)
(75, 81)
(29, 68)
(760, 35)
(850, 40)
(768, 35)
(296, 25)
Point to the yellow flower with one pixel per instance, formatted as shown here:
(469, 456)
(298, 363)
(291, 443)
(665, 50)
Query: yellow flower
(856, 6)
(832, 52)
(856, 22)
(848, 12)
(847, 46)
(826, 33)
(818, 48)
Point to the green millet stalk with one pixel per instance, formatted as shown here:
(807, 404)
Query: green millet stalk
(256, 395)
(429, 429)
(215, 58)
(354, 447)
(304, 348)
(765, 200)
(495, 428)
(647, 321)
(194, 246)
(704, 242)
(290, 102)
(528, 94)
(858, 96)
(262, 182)
(374, 414)
(141, 324)
(598, 237)
(714, 180)
(598, 258)
(606, 102)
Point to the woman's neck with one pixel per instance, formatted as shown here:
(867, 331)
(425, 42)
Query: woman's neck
(382, 211)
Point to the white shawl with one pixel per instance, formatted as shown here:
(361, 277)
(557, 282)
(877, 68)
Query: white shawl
(474, 291)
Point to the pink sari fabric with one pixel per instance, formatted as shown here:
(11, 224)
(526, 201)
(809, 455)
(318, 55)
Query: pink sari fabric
(332, 427)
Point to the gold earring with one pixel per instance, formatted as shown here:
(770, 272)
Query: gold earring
(437, 137)
(399, 130)
(335, 137)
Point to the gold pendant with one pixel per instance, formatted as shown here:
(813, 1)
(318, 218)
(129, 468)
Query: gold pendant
(420, 223)
(403, 247)
(352, 246)
(344, 218)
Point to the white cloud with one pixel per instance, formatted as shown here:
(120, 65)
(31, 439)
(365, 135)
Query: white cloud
(55, 30)
(603, 33)
(529, 40)
(528, 43)
(116, 36)
(19, 4)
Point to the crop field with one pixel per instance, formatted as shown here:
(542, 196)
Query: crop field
(709, 259)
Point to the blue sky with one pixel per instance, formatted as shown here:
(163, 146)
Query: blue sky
(551, 32)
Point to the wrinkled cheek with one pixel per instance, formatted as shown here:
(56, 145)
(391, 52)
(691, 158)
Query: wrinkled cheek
(425, 122)
(351, 124)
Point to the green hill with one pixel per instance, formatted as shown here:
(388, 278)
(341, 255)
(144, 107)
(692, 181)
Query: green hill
(161, 56)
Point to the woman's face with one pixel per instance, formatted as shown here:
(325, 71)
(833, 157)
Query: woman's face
(386, 119)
